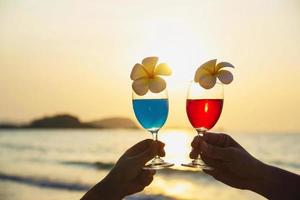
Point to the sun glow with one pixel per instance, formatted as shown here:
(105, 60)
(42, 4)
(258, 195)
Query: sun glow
(177, 145)
(174, 188)
(170, 38)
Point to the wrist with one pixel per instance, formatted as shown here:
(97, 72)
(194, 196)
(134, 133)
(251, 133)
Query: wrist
(262, 184)
(111, 186)
(102, 190)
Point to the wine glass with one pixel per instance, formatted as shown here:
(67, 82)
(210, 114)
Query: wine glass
(203, 108)
(151, 110)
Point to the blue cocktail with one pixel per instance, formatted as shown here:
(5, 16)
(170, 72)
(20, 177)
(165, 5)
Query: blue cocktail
(151, 110)
(151, 113)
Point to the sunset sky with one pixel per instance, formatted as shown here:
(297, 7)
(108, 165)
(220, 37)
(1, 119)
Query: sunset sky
(76, 56)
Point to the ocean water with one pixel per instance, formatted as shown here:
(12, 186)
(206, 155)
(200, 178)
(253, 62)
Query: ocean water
(151, 113)
(63, 164)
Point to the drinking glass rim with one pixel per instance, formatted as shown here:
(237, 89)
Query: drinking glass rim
(134, 95)
(217, 82)
(192, 82)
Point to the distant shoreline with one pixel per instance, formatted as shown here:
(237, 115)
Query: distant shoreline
(66, 128)
(67, 121)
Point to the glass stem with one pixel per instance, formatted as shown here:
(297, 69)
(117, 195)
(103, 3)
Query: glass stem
(154, 137)
(200, 133)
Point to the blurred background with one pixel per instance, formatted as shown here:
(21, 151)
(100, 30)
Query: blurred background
(66, 93)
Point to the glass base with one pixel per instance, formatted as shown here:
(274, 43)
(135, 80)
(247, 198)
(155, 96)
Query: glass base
(197, 164)
(158, 166)
(157, 163)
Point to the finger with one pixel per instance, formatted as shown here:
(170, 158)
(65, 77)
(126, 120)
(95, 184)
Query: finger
(161, 145)
(143, 157)
(211, 151)
(194, 153)
(145, 177)
(217, 164)
(220, 139)
(139, 147)
(215, 138)
(146, 173)
(139, 184)
(196, 141)
(147, 181)
(151, 172)
(161, 153)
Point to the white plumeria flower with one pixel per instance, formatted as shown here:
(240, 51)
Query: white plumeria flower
(146, 76)
(207, 74)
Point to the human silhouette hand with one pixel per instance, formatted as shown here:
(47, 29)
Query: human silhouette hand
(128, 170)
(234, 166)
(127, 177)
(231, 163)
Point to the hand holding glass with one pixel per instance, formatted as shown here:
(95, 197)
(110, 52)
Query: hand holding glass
(203, 108)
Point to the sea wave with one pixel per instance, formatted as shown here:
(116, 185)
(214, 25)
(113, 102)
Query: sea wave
(43, 182)
(168, 171)
(22, 147)
(97, 165)
(46, 183)
(110, 165)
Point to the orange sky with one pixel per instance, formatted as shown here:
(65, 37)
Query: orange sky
(76, 57)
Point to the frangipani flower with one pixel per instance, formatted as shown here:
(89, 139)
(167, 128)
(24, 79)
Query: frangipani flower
(146, 76)
(208, 73)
